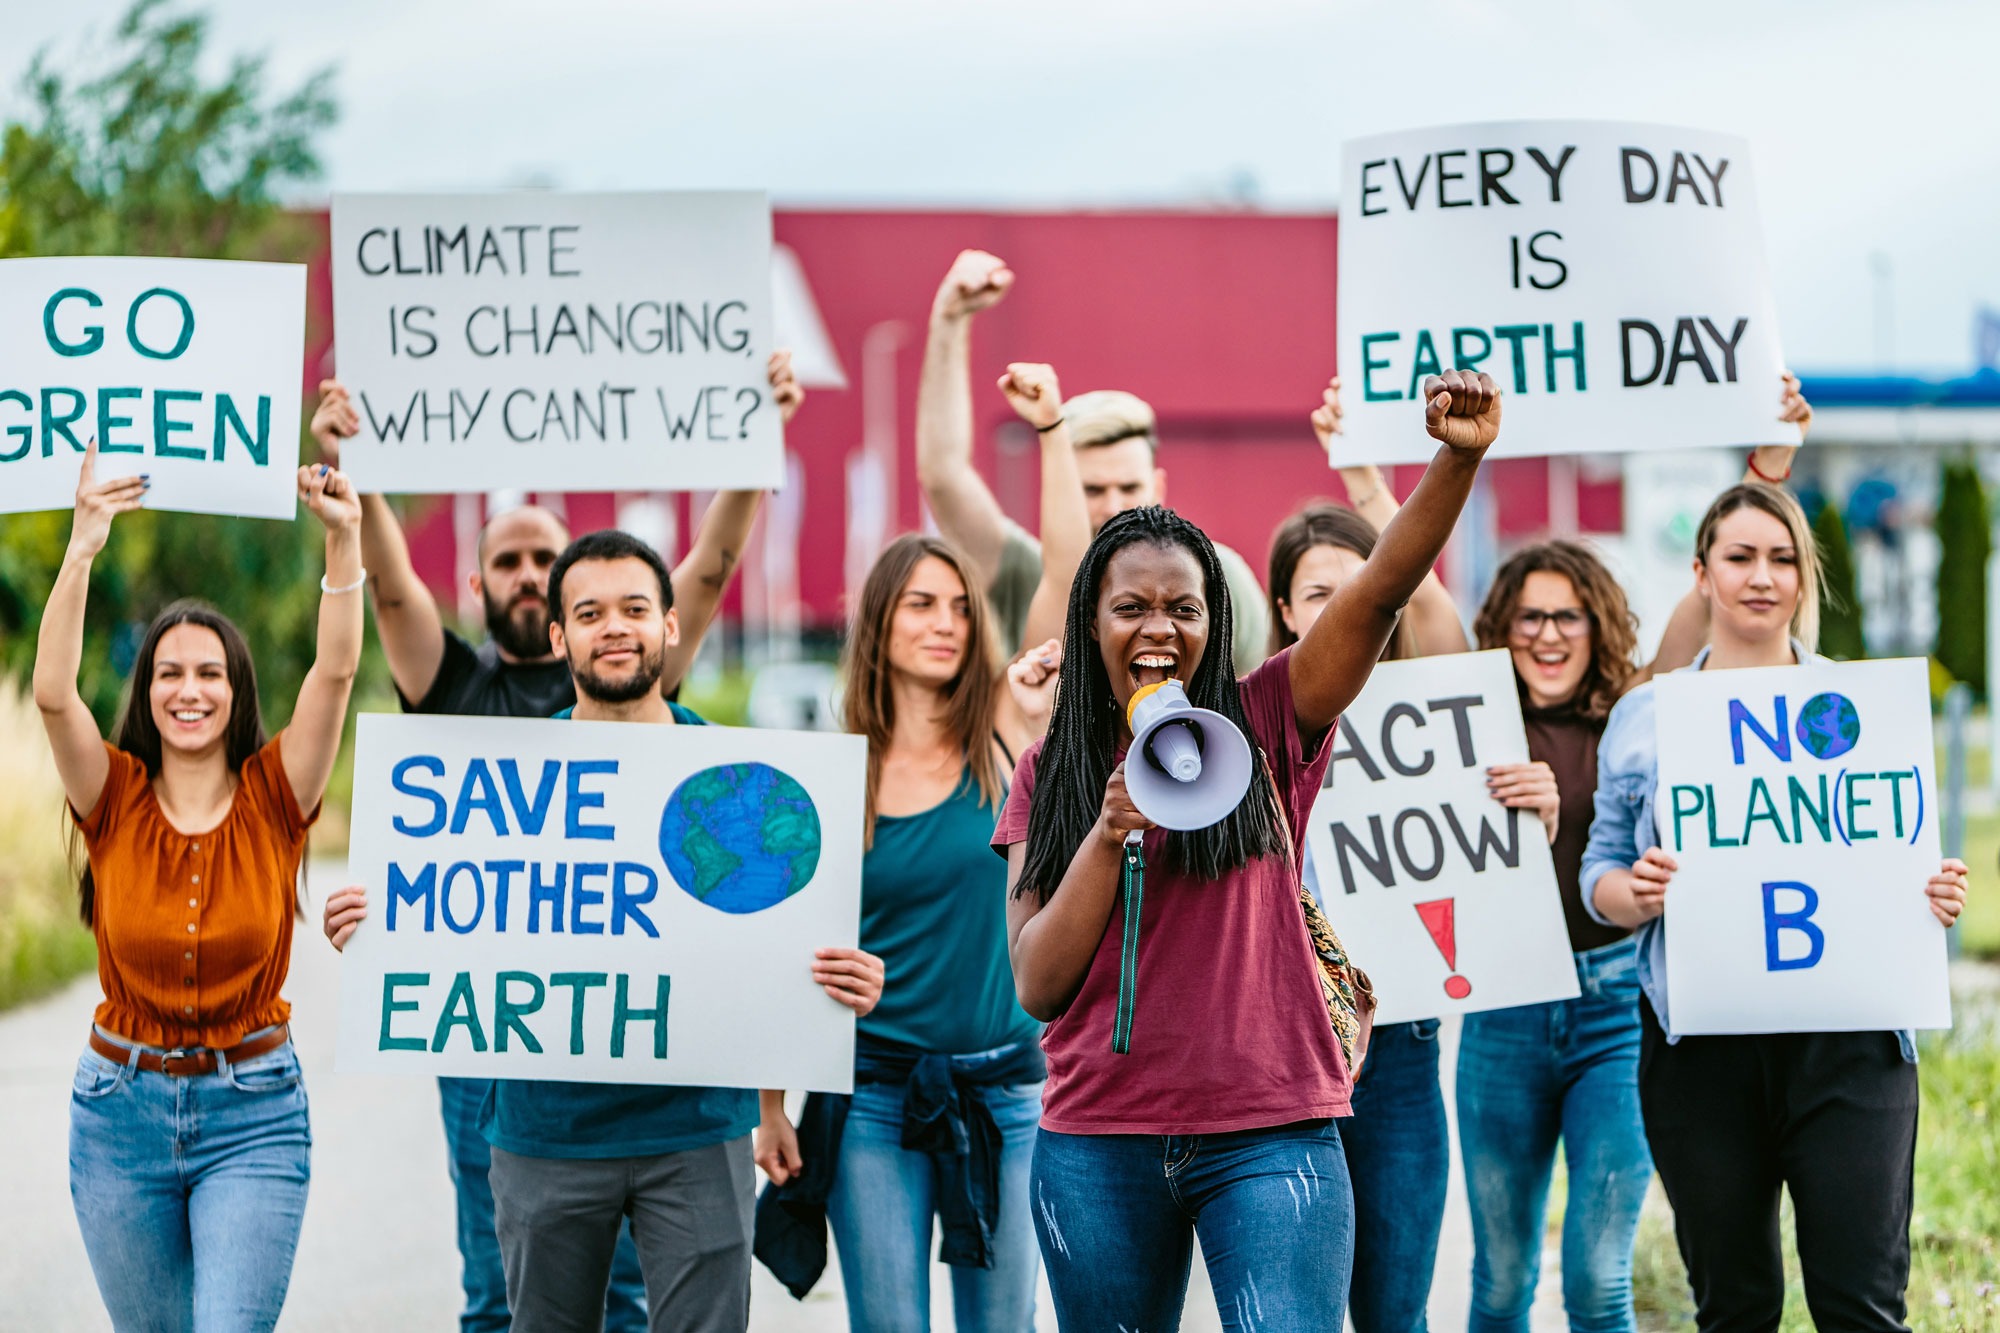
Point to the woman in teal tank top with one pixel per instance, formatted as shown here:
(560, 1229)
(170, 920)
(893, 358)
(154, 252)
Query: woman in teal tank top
(948, 1063)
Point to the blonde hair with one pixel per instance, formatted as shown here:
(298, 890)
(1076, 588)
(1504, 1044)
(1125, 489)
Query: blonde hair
(1780, 505)
(869, 705)
(1111, 416)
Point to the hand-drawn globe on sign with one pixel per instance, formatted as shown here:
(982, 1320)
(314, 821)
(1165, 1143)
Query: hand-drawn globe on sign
(740, 837)
(1828, 726)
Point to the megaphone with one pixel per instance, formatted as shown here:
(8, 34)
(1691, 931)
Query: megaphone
(1188, 767)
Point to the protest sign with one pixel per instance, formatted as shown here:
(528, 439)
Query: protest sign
(1444, 896)
(1801, 806)
(185, 369)
(1610, 277)
(557, 341)
(601, 902)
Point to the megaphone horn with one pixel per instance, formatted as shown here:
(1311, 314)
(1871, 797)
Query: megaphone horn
(1189, 766)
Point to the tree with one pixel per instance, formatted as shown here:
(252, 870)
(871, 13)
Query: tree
(1840, 633)
(144, 155)
(1964, 542)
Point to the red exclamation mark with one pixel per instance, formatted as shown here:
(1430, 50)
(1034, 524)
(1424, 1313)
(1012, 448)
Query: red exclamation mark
(1439, 921)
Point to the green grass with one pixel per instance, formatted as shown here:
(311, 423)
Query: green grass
(38, 955)
(1979, 926)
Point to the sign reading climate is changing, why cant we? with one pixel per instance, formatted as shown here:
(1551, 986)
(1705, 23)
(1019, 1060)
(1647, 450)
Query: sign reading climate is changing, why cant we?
(601, 902)
(1444, 896)
(549, 341)
(184, 369)
(1802, 810)
(1609, 277)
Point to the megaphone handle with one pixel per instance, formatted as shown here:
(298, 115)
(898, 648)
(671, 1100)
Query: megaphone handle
(1136, 838)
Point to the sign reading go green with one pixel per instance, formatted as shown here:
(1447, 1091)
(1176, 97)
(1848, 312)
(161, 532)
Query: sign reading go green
(187, 370)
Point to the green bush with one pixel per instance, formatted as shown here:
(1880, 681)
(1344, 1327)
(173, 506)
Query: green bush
(1840, 633)
(1964, 541)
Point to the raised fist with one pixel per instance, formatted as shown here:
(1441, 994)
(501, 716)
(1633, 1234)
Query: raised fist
(1462, 409)
(1032, 391)
(975, 281)
(333, 420)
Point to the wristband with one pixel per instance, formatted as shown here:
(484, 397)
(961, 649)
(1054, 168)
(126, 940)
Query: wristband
(1044, 430)
(1353, 503)
(1759, 472)
(345, 587)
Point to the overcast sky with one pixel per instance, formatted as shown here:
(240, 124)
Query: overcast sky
(1875, 130)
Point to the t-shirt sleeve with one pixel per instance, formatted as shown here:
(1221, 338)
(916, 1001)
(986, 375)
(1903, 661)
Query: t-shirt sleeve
(121, 779)
(1013, 586)
(454, 667)
(1267, 703)
(1013, 823)
(264, 777)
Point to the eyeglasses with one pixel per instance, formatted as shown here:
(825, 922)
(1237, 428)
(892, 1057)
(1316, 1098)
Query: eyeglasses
(1571, 622)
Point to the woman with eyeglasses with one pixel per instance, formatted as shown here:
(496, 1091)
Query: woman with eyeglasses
(1568, 1070)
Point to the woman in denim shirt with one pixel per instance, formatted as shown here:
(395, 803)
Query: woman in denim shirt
(1830, 1116)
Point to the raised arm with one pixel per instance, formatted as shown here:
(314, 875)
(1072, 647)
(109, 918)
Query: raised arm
(704, 572)
(1033, 392)
(312, 737)
(1329, 667)
(406, 615)
(966, 511)
(1687, 627)
(73, 734)
(1433, 615)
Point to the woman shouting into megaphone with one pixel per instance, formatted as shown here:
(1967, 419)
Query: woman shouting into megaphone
(1193, 1074)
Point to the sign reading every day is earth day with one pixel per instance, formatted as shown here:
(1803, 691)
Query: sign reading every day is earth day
(601, 902)
(1801, 806)
(1610, 277)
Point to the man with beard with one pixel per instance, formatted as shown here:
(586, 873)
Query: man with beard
(571, 1159)
(515, 673)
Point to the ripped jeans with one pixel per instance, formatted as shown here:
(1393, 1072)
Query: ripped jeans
(1117, 1214)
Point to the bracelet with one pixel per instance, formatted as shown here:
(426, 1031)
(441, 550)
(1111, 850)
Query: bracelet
(1044, 430)
(1759, 472)
(1354, 503)
(345, 587)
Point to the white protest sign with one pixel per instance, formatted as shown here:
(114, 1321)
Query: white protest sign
(1610, 277)
(601, 902)
(557, 341)
(185, 369)
(1801, 806)
(1444, 896)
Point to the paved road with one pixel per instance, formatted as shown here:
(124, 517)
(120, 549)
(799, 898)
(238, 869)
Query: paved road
(377, 1254)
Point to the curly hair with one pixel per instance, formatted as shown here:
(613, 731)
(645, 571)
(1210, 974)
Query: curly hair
(1082, 743)
(1614, 630)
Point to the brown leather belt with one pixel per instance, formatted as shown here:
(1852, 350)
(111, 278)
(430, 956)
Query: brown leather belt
(199, 1060)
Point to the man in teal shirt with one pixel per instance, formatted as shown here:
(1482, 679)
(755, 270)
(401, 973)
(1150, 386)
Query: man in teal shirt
(570, 1160)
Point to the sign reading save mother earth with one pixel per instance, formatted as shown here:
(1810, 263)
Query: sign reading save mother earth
(601, 902)
(1801, 806)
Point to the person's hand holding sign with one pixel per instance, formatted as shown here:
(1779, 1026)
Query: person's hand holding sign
(1946, 891)
(851, 976)
(333, 420)
(1650, 877)
(1527, 787)
(346, 909)
(786, 390)
(98, 502)
(1462, 409)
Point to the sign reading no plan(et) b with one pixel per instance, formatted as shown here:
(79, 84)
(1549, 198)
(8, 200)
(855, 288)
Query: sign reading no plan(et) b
(548, 341)
(1802, 808)
(185, 369)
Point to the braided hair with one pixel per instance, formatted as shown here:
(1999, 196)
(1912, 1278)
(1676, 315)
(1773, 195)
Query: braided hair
(1078, 754)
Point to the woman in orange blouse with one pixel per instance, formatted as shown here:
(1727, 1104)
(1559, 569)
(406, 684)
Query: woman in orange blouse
(189, 1139)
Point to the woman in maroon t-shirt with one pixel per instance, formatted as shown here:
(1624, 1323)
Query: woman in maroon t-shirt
(1216, 1116)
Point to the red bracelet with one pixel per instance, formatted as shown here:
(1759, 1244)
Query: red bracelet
(1759, 472)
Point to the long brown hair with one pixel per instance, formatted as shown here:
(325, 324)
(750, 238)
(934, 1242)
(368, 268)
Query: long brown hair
(1322, 523)
(1614, 630)
(139, 736)
(1780, 505)
(869, 706)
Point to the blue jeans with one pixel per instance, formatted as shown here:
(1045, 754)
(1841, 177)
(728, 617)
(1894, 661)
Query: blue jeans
(1528, 1076)
(189, 1191)
(1399, 1155)
(1117, 1214)
(882, 1207)
(481, 1274)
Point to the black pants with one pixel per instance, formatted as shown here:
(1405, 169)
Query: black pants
(1830, 1116)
